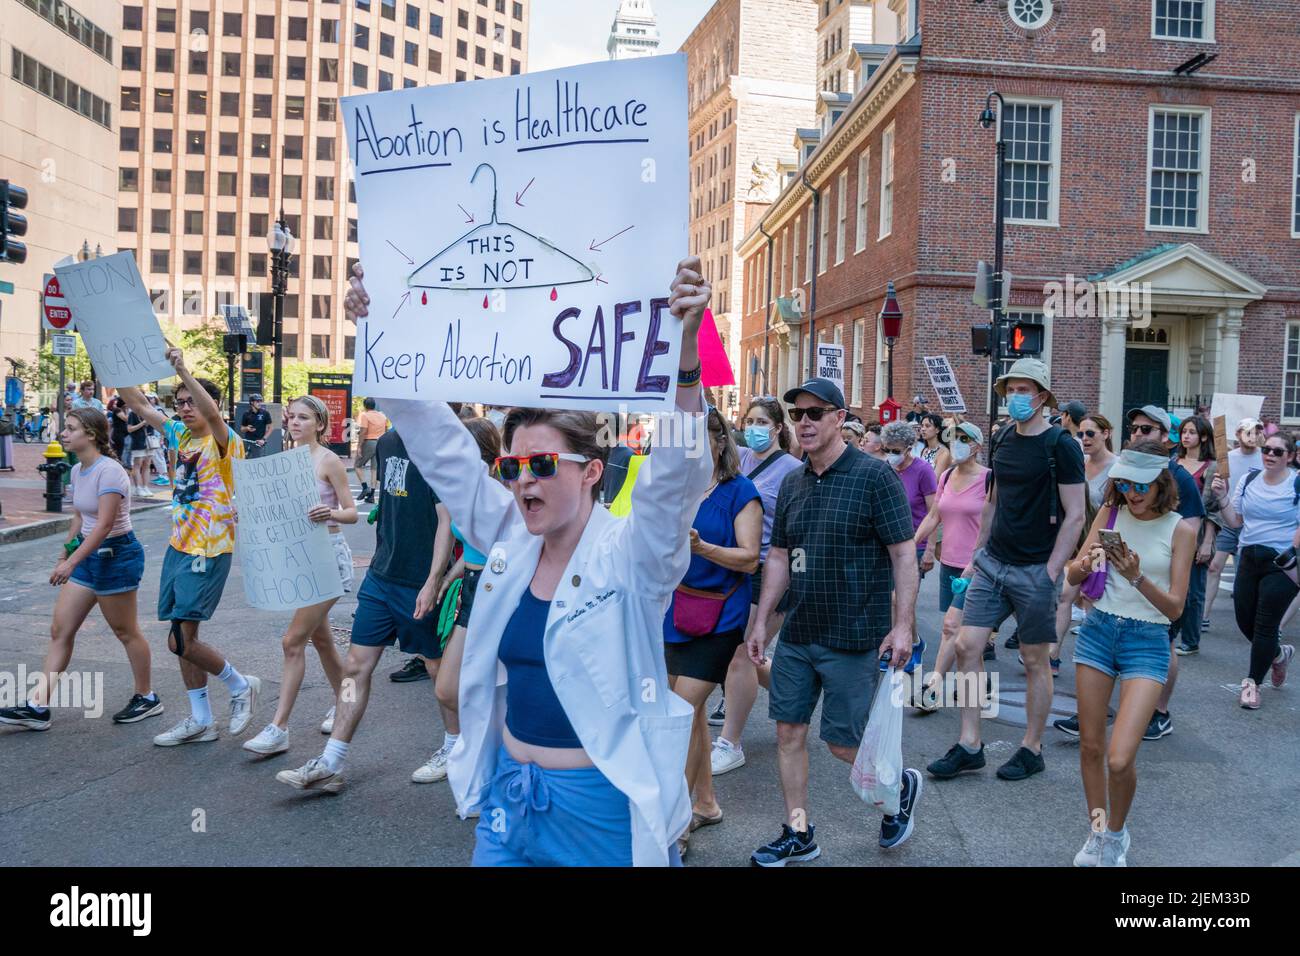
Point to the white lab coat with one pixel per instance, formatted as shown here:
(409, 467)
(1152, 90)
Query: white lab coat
(603, 646)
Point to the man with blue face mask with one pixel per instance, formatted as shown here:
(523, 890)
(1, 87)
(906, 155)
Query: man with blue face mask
(1031, 521)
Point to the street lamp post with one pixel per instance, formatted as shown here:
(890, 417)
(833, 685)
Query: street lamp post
(987, 119)
(891, 325)
(280, 239)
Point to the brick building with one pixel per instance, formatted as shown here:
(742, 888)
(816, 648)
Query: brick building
(751, 68)
(1131, 160)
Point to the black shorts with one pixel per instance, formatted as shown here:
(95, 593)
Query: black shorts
(756, 588)
(704, 658)
(468, 585)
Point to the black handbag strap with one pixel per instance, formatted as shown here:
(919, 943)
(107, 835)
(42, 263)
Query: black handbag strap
(764, 463)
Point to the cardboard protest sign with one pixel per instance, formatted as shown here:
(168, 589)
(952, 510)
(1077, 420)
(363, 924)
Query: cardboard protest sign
(519, 235)
(1221, 448)
(116, 319)
(830, 363)
(945, 384)
(287, 560)
(715, 369)
(1234, 408)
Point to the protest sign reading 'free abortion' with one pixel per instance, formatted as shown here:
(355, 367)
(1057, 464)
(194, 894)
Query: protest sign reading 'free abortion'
(519, 236)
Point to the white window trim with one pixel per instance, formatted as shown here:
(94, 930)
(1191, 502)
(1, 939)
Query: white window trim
(1209, 26)
(1292, 324)
(1295, 181)
(824, 239)
(841, 215)
(864, 195)
(882, 354)
(1053, 219)
(809, 239)
(785, 262)
(855, 390)
(886, 182)
(1203, 212)
(795, 279)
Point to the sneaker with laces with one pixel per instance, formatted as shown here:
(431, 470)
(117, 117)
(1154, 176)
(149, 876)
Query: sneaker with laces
(139, 708)
(895, 830)
(1249, 694)
(1280, 664)
(1068, 725)
(272, 740)
(1012, 642)
(188, 731)
(956, 761)
(1162, 725)
(1090, 855)
(719, 715)
(313, 775)
(990, 651)
(1055, 663)
(725, 757)
(26, 716)
(1114, 848)
(242, 706)
(789, 847)
(412, 670)
(433, 769)
(327, 725)
(1024, 763)
(1186, 650)
(1205, 626)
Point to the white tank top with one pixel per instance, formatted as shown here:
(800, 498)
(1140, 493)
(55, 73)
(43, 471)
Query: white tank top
(1154, 543)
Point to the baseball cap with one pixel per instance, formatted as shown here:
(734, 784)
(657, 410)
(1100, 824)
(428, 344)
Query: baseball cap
(822, 388)
(255, 397)
(1076, 410)
(918, 400)
(970, 428)
(1030, 368)
(1153, 412)
(1249, 424)
(1138, 466)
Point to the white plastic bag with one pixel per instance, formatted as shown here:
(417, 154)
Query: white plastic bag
(878, 769)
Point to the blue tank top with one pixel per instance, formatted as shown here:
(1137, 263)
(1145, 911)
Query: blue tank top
(533, 712)
(471, 556)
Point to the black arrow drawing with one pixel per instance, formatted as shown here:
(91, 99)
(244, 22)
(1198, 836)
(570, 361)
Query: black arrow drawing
(595, 246)
(467, 213)
(405, 298)
(520, 195)
(409, 260)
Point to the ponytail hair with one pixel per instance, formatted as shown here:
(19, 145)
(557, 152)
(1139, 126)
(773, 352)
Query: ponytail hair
(775, 412)
(321, 412)
(94, 423)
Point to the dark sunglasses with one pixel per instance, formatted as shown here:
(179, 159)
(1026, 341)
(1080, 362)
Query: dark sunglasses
(1272, 450)
(542, 465)
(1147, 429)
(964, 438)
(1088, 433)
(814, 414)
(1141, 487)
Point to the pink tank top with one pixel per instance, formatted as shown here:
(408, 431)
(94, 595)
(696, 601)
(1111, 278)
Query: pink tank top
(328, 496)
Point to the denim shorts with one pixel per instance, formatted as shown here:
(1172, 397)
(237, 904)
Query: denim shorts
(1226, 540)
(1122, 647)
(947, 599)
(999, 590)
(115, 575)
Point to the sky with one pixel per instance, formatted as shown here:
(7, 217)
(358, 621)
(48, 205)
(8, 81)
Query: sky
(568, 32)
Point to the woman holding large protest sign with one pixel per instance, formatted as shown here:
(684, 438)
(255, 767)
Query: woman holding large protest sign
(307, 420)
(579, 759)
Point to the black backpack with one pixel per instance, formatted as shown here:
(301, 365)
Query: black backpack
(1254, 472)
(1053, 438)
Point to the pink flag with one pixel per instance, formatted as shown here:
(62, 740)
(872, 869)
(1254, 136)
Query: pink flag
(714, 367)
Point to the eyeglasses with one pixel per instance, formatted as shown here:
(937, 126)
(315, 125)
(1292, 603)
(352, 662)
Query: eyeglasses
(1088, 433)
(1147, 429)
(964, 438)
(184, 403)
(542, 465)
(896, 451)
(1140, 487)
(1272, 450)
(814, 414)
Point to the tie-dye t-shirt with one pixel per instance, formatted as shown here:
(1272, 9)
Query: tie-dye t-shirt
(203, 519)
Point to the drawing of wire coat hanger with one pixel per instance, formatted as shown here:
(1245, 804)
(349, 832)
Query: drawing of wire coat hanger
(550, 266)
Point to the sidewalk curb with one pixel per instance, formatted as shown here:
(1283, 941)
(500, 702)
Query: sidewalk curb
(41, 529)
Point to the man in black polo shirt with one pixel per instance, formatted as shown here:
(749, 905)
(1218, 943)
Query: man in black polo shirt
(253, 426)
(841, 542)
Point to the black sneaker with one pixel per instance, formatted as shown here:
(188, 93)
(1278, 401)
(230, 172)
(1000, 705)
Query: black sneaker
(719, 715)
(956, 761)
(1013, 641)
(990, 651)
(26, 716)
(895, 830)
(139, 708)
(1068, 725)
(1024, 763)
(1205, 626)
(789, 847)
(412, 670)
(1184, 650)
(1161, 725)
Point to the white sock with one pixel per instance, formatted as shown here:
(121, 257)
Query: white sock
(233, 680)
(335, 752)
(449, 741)
(725, 742)
(200, 707)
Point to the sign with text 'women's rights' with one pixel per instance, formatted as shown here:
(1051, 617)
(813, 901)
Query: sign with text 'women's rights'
(286, 558)
(519, 235)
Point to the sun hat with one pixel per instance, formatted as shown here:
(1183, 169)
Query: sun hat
(1035, 370)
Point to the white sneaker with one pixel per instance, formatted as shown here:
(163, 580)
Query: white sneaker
(725, 757)
(188, 731)
(434, 769)
(241, 706)
(1077, 613)
(143, 492)
(272, 740)
(1114, 849)
(1090, 855)
(313, 775)
(327, 725)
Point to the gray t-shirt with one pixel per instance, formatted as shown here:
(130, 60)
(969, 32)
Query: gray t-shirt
(768, 484)
(104, 477)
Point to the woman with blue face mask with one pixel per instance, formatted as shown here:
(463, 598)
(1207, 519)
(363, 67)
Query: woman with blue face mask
(766, 461)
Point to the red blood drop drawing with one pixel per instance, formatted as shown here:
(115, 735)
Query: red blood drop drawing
(554, 295)
(485, 301)
(424, 298)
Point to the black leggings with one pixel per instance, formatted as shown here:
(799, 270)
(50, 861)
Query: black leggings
(1261, 594)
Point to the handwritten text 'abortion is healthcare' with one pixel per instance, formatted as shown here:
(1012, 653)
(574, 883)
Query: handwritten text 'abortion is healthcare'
(519, 236)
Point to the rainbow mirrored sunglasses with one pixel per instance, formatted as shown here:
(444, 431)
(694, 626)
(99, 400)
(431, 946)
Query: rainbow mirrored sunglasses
(541, 465)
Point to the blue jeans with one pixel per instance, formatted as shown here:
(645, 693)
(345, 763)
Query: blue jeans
(1188, 627)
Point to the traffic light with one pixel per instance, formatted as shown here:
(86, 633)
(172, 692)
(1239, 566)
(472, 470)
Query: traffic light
(1025, 338)
(12, 223)
(981, 339)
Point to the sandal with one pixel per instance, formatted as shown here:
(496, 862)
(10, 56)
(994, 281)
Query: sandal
(700, 820)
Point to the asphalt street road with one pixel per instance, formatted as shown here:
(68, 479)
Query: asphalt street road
(1220, 790)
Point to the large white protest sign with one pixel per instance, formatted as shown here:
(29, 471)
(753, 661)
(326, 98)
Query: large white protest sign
(1234, 408)
(519, 236)
(945, 384)
(830, 363)
(287, 559)
(116, 319)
